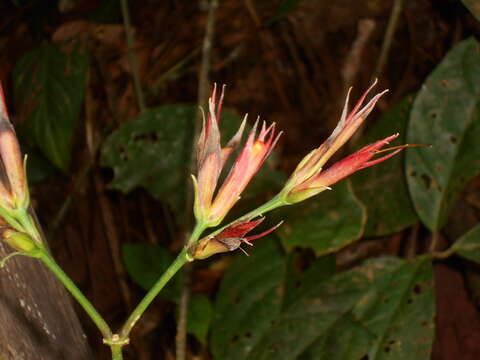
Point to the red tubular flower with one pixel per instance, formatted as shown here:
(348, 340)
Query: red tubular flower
(343, 168)
(229, 239)
(245, 167)
(308, 179)
(211, 159)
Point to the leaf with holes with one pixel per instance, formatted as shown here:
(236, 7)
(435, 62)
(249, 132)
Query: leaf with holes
(468, 245)
(49, 89)
(325, 223)
(383, 309)
(446, 114)
(347, 339)
(151, 151)
(249, 299)
(383, 188)
(399, 309)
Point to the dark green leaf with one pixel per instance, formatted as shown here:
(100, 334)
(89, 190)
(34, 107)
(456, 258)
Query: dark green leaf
(381, 310)
(145, 263)
(49, 90)
(468, 245)
(313, 315)
(301, 279)
(445, 114)
(382, 188)
(152, 150)
(199, 317)
(347, 339)
(249, 299)
(327, 222)
(399, 309)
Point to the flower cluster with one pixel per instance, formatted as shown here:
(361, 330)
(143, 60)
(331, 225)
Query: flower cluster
(307, 180)
(17, 227)
(211, 158)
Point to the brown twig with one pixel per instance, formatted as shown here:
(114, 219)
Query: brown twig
(63, 210)
(412, 242)
(268, 46)
(387, 40)
(106, 208)
(132, 59)
(352, 63)
(203, 87)
(434, 242)
(147, 222)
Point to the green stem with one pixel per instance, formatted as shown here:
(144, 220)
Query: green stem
(196, 233)
(77, 294)
(29, 227)
(116, 352)
(10, 219)
(181, 259)
(274, 203)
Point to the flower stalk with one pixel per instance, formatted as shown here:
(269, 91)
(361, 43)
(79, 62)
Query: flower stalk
(213, 201)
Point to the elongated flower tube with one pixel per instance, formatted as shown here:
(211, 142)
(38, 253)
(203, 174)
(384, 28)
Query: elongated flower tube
(17, 227)
(211, 159)
(13, 187)
(229, 239)
(308, 179)
(343, 168)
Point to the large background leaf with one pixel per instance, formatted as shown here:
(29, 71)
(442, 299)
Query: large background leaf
(327, 222)
(249, 299)
(468, 245)
(384, 310)
(151, 151)
(49, 90)
(383, 188)
(446, 115)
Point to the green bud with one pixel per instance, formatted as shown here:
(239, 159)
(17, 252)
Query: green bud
(208, 247)
(19, 241)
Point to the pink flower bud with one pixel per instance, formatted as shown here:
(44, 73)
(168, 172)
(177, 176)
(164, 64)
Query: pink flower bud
(245, 167)
(211, 158)
(14, 191)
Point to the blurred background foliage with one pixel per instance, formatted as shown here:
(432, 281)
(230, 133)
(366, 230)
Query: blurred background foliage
(352, 273)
